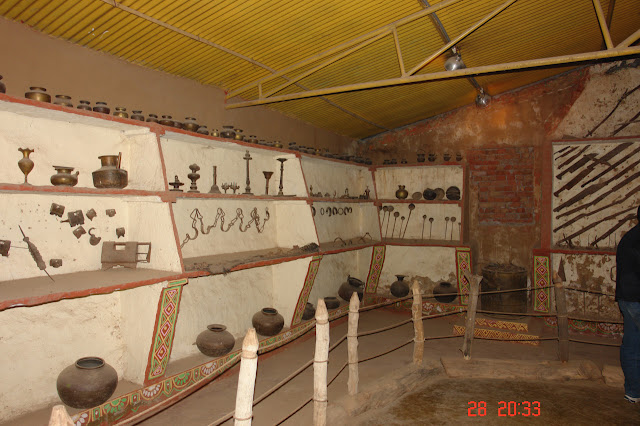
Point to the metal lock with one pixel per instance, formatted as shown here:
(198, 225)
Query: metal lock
(56, 263)
(91, 214)
(56, 210)
(75, 218)
(79, 232)
(120, 232)
(5, 245)
(111, 212)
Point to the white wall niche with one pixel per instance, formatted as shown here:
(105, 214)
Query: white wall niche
(333, 178)
(417, 179)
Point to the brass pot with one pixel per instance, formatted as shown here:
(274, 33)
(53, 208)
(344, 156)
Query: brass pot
(202, 130)
(121, 112)
(228, 132)
(177, 124)
(137, 115)
(102, 108)
(309, 312)
(152, 118)
(63, 100)
(239, 136)
(401, 193)
(166, 121)
(38, 94)
(64, 176)
(190, 124)
(110, 175)
(84, 105)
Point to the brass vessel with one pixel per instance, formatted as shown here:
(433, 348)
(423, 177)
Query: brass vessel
(239, 136)
(228, 132)
(64, 177)
(63, 100)
(102, 107)
(25, 163)
(152, 118)
(190, 124)
(166, 121)
(110, 175)
(121, 112)
(137, 115)
(84, 105)
(38, 94)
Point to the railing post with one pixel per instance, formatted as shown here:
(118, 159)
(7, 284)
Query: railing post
(320, 361)
(416, 313)
(60, 417)
(352, 343)
(563, 321)
(246, 379)
(472, 306)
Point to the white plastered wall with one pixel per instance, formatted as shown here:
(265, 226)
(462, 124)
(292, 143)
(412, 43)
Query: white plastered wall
(334, 269)
(288, 279)
(417, 179)
(361, 220)
(330, 177)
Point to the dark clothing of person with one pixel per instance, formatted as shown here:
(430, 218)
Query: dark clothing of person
(628, 266)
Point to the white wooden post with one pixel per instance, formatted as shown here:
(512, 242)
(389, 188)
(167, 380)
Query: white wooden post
(416, 313)
(246, 379)
(320, 362)
(352, 343)
(60, 417)
(563, 320)
(472, 306)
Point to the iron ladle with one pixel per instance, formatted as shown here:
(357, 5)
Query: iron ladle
(430, 226)
(446, 225)
(424, 219)
(400, 229)
(411, 208)
(453, 220)
(395, 215)
(389, 209)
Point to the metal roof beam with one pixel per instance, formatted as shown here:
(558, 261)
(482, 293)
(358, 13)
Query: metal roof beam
(465, 72)
(603, 24)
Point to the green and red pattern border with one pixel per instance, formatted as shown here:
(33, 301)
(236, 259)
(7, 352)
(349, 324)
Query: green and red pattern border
(589, 327)
(541, 279)
(463, 263)
(314, 265)
(165, 326)
(375, 268)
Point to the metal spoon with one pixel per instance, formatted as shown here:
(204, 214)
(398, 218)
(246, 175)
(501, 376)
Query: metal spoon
(389, 209)
(400, 229)
(384, 214)
(424, 219)
(430, 226)
(453, 220)
(396, 214)
(411, 208)
(446, 225)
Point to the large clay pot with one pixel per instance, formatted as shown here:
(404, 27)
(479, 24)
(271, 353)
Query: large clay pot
(64, 177)
(309, 312)
(215, 340)
(400, 288)
(442, 290)
(87, 383)
(401, 193)
(352, 285)
(110, 175)
(267, 322)
(331, 302)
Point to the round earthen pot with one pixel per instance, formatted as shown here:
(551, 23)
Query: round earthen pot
(267, 322)
(352, 285)
(309, 312)
(442, 290)
(87, 383)
(331, 302)
(400, 288)
(215, 340)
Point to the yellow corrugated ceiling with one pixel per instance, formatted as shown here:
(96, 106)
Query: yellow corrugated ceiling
(230, 44)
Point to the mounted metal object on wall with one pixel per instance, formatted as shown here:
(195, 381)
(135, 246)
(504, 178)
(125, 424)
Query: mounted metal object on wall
(91, 214)
(56, 210)
(74, 218)
(193, 177)
(35, 254)
(55, 263)
(79, 232)
(5, 245)
(110, 212)
(176, 184)
(247, 158)
(267, 176)
(120, 232)
(93, 240)
(214, 188)
(126, 254)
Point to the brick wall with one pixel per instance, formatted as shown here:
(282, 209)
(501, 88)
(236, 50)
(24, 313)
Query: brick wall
(503, 180)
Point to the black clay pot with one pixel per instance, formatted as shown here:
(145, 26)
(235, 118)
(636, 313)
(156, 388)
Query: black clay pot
(309, 312)
(453, 193)
(400, 288)
(215, 340)
(87, 383)
(267, 322)
(442, 290)
(331, 302)
(429, 194)
(352, 285)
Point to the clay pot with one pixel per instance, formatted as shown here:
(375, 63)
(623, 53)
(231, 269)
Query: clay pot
(352, 285)
(400, 288)
(444, 288)
(38, 94)
(401, 193)
(102, 107)
(87, 383)
(3, 88)
(453, 193)
(215, 341)
(166, 121)
(137, 115)
(121, 112)
(64, 176)
(190, 124)
(331, 302)
(63, 100)
(267, 322)
(420, 157)
(152, 118)
(110, 175)
(228, 132)
(84, 105)
(439, 193)
(309, 312)
(429, 194)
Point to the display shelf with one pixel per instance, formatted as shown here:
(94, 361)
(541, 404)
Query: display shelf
(336, 178)
(583, 250)
(423, 164)
(78, 190)
(341, 200)
(380, 202)
(447, 221)
(360, 220)
(417, 179)
(174, 195)
(38, 290)
(420, 243)
(335, 247)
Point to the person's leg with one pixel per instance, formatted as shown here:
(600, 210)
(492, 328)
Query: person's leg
(630, 349)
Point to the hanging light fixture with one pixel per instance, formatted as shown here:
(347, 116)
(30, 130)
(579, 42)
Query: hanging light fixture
(482, 100)
(454, 62)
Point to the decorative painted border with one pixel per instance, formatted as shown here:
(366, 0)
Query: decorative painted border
(314, 265)
(504, 325)
(459, 330)
(463, 263)
(165, 326)
(589, 327)
(375, 268)
(541, 278)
